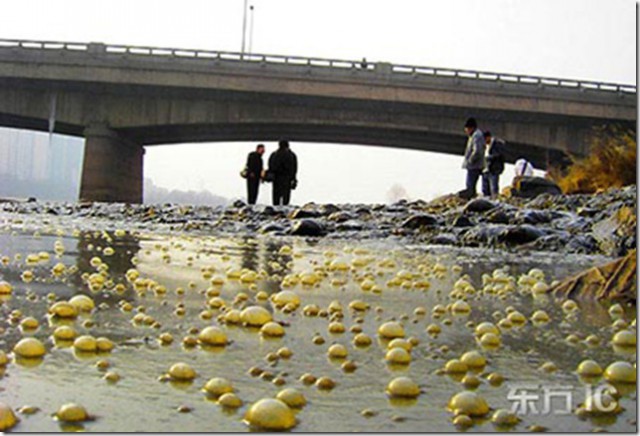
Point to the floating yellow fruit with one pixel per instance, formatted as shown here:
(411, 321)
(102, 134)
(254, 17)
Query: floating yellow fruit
(463, 421)
(337, 351)
(292, 398)
(4, 359)
(8, 419)
(72, 412)
(468, 403)
(272, 329)
(433, 329)
(82, 303)
(589, 368)
(504, 418)
(616, 311)
(85, 343)
(255, 316)
(398, 356)
(336, 327)
(212, 335)
(218, 386)
(624, 338)
(29, 348)
(620, 372)
(325, 383)
(182, 372)
(63, 309)
(270, 414)
(391, 330)
(403, 387)
(470, 381)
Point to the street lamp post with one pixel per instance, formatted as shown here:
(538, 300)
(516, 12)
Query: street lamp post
(250, 50)
(244, 27)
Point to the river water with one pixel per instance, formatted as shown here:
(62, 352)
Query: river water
(187, 263)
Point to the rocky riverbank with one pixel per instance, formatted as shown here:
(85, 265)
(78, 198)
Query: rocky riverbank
(603, 223)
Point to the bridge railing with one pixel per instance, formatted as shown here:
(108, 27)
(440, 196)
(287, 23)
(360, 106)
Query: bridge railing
(404, 70)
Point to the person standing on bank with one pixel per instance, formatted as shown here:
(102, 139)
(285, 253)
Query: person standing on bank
(473, 156)
(283, 168)
(254, 173)
(494, 165)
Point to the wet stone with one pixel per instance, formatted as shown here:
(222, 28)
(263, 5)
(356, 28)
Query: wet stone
(418, 221)
(307, 227)
(479, 205)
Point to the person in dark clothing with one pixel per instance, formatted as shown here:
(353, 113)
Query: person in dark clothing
(254, 173)
(283, 167)
(494, 165)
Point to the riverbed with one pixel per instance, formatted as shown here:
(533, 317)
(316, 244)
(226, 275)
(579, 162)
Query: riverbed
(181, 273)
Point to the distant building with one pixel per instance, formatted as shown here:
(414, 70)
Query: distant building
(33, 166)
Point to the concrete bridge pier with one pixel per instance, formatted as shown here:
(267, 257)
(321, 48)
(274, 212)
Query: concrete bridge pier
(112, 167)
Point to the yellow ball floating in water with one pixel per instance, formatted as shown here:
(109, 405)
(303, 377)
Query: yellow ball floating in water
(624, 338)
(182, 372)
(4, 359)
(473, 359)
(5, 288)
(64, 333)
(460, 307)
(218, 386)
(104, 344)
(292, 398)
(82, 303)
(72, 412)
(504, 418)
(272, 329)
(463, 421)
(85, 343)
(29, 348)
(63, 309)
(589, 368)
(362, 340)
(468, 403)
(255, 316)
(403, 387)
(620, 372)
(486, 327)
(398, 356)
(490, 340)
(337, 351)
(8, 419)
(400, 343)
(212, 335)
(270, 414)
(283, 298)
(29, 323)
(540, 316)
(391, 330)
(230, 400)
(455, 366)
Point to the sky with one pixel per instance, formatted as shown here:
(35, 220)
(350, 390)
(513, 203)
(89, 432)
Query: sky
(575, 39)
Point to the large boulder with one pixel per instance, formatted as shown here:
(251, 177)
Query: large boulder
(529, 187)
(613, 281)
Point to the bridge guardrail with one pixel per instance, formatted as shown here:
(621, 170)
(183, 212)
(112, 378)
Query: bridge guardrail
(414, 71)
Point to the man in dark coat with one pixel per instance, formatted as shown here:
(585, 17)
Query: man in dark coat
(283, 167)
(494, 165)
(254, 173)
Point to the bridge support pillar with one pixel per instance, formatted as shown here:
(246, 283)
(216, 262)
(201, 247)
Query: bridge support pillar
(112, 167)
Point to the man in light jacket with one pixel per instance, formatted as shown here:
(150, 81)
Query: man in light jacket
(473, 156)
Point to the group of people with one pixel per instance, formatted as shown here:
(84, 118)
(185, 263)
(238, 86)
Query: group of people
(282, 171)
(484, 158)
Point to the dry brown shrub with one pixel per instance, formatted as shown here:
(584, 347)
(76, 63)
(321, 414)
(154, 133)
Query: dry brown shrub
(611, 163)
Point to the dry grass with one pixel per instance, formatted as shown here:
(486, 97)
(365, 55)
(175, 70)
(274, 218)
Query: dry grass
(611, 164)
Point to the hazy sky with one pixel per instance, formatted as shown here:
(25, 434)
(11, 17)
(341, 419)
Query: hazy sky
(578, 39)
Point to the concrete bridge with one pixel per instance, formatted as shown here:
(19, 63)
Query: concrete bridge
(121, 98)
